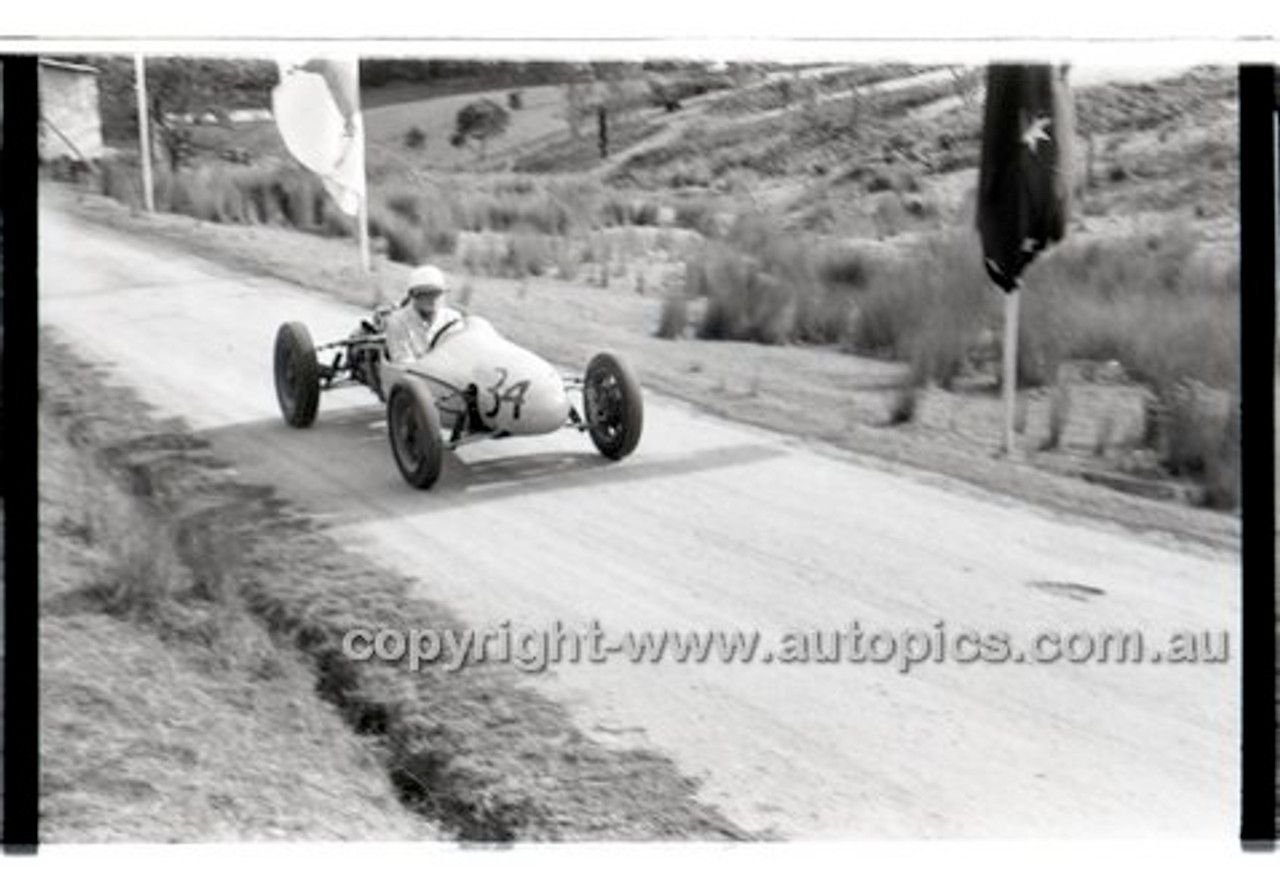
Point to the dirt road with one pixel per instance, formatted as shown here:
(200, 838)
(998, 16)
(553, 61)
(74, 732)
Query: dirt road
(713, 525)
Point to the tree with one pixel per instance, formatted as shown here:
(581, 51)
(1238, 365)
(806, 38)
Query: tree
(478, 122)
(178, 90)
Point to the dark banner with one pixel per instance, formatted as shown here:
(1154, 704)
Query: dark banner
(1024, 186)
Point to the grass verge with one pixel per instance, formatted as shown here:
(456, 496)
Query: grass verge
(167, 712)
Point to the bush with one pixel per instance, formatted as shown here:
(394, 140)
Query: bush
(675, 317)
(415, 138)
(905, 402)
(1153, 302)
(528, 254)
(119, 180)
(1059, 415)
(567, 259)
(767, 285)
(404, 241)
(928, 309)
(699, 215)
(479, 122)
(846, 267)
(1198, 436)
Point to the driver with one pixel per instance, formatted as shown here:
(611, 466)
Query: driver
(422, 315)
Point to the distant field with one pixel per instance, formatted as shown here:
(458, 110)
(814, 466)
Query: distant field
(541, 115)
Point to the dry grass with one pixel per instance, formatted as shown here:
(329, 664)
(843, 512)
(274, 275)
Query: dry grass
(596, 256)
(281, 195)
(167, 713)
(511, 226)
(766, 285)
(1165, 310)
(1155, 302)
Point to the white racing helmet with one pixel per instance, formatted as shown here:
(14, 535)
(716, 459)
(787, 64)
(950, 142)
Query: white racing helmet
(427, 278)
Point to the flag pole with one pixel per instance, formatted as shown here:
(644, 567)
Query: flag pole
(362, 212)
(362, 206)
(144, 132)
(1010, 355)
(365, 261)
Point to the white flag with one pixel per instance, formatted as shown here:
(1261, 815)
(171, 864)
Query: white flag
(317, 108)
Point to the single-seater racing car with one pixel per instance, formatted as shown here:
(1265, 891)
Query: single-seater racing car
(472, 383)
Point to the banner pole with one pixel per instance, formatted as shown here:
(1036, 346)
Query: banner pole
(366, 262)
(1010, 365)
(144, 132)
(363, 223)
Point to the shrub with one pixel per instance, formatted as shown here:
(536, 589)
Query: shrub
(406, 205)
(927, 309)
(1197, 435)
(905, 401)
(675, 317)
(761, 282)
(479, 122)
(404, 241)
(699, 215)
(1222, 465)
(1153, 302)
(566, 258)
(1059, 414)
(415, 138)
(846, 267)
(119, 180)
(527, 254)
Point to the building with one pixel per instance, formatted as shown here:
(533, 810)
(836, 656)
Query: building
(70, 117)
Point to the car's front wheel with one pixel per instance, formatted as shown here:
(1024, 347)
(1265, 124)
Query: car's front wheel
(297, 375)
(413, 424)
(613, 405)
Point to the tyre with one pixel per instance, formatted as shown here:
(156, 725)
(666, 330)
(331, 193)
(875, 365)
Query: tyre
(413, 425)
(613, 406)
(297, 375)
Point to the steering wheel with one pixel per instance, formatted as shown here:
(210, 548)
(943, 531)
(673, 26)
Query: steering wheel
(438, 335)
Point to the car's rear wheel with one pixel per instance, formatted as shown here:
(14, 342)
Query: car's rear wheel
(297, 375)
(613, 406)
(414, 428)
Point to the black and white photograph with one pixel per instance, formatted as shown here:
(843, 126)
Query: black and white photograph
(439, 446)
